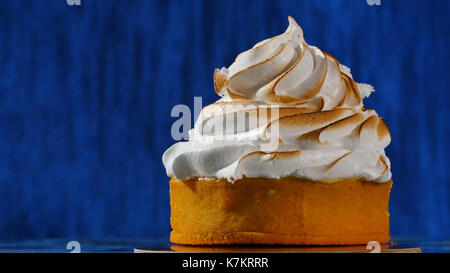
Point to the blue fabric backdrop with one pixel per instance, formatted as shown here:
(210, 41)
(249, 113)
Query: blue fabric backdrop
(86, 93)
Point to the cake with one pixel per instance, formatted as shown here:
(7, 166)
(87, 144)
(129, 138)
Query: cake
(288, 155)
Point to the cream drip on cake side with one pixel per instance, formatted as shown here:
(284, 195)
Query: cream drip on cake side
(324, 132)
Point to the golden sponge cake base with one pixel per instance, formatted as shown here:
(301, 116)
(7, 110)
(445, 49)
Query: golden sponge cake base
(287, 211)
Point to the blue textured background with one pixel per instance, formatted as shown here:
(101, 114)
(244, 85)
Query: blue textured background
(86, 93)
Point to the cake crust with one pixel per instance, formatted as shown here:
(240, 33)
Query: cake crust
(286, 211)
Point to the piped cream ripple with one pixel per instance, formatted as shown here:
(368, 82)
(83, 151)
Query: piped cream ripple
(325, 133)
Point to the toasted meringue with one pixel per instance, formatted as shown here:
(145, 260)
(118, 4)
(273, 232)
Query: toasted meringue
(324, 131)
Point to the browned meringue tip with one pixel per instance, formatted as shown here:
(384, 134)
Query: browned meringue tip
(337, 160)
(220, 81)
(369, 124)
(352, 91)
(273, 155)
(313, 136)
(292, 22)
(382, 130)
(316, 118)
(259, 64)
(383, 161)
(348, 121)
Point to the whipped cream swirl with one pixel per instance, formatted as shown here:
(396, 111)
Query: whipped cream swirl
(324, 131)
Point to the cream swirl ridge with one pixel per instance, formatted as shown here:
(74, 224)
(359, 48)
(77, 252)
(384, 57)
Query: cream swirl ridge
(323, 145)
(285, 70)
(282, 84)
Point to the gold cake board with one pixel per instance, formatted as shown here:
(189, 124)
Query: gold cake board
(393, 248)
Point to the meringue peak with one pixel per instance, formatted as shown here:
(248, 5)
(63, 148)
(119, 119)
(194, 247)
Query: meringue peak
(295, 29)
(285, 70)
